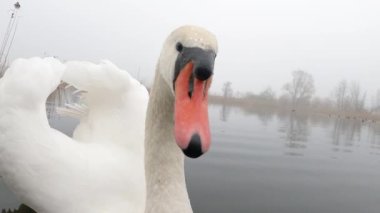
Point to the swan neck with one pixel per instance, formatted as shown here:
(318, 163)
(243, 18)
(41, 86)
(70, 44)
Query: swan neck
(164, 161)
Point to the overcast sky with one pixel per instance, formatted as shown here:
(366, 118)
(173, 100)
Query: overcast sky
(260, 41)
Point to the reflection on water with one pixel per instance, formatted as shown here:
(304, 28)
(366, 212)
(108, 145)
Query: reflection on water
(225, 112)
(296, 131)
(264, 160)
(265, 115)
(374, 138)
(344, 134)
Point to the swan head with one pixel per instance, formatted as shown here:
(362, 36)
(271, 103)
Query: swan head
(187, 65)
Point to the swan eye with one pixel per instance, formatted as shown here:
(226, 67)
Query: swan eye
(179, 46)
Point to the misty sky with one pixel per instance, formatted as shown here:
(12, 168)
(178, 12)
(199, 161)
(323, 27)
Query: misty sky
(260, 41)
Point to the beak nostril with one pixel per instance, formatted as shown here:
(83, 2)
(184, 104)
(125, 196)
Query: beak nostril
(202, 73)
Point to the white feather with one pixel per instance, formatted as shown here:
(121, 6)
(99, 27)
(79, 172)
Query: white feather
(102, 168)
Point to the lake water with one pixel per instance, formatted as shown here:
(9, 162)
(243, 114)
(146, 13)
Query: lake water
(284, 162)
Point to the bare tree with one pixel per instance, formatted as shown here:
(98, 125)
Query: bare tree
(227, 89)
(376, 101)
(356, 97)
(340, 95)
(268, 94)
(349, 97)
(300, 88)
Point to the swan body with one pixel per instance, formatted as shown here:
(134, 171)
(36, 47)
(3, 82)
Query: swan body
(100, 169)
(104, 166)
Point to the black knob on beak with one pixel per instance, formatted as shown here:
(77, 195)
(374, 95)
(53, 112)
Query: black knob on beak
(202, 59)
(202, 72)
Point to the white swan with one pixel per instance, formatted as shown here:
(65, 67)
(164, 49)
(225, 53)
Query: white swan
(103, 170)
(179, 94)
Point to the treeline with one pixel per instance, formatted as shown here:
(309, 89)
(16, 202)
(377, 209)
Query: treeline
(347, 98)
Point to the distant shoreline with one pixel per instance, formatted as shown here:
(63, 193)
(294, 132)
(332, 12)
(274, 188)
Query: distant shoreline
(274, 105)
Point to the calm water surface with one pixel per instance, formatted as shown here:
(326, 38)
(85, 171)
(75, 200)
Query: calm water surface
(264, 161)
(267, 161)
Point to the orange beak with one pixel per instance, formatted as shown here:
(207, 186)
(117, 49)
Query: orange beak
(191, 124)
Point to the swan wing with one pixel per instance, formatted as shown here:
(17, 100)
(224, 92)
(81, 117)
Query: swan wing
(32, 154)
(54, 173)
(112, 105)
